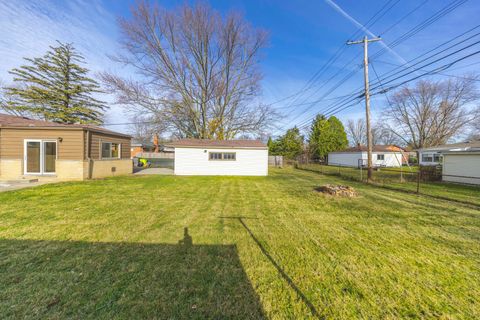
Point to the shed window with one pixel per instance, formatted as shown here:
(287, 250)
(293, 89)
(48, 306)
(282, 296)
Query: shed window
(427, 157)
(380, 157)
(227, 156)
(110, 150)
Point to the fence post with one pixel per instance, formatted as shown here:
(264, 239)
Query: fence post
(418, 179)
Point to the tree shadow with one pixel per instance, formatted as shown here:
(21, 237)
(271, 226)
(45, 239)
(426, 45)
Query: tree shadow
(75, 279)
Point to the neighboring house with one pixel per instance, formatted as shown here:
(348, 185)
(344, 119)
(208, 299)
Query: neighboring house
(136, 148)
(41, 149)
(215, 157)
(382, 156)
(433, 156)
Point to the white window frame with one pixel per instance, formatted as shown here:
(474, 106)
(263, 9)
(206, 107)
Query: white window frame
(222, 156)
(111, 158)
(42, 157)
(430, 155)
(383, 155)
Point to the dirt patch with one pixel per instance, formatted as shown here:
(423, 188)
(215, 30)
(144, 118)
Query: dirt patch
(337, 190)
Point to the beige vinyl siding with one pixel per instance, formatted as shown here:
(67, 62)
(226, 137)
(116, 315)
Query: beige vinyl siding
(95, 144)
(12, 142)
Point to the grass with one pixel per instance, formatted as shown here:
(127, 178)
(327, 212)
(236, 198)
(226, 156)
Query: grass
(255, 247)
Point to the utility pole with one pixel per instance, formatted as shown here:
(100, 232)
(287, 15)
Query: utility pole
(365, 42)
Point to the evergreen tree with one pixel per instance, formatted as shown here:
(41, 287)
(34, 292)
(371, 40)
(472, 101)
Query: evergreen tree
(56, 87)
(272, 147)
(290, 145)
(326, 135)
(339, 139)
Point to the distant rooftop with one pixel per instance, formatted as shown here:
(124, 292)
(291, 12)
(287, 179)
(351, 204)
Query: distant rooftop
(204, 143)
(461, 146)
(10, 121)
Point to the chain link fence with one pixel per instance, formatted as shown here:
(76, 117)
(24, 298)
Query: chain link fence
(425, 180)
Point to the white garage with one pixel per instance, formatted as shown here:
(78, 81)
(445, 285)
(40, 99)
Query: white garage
(461, 166)
(382, 156)
(220, 157)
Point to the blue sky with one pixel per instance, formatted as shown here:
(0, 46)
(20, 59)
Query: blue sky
(303, 36)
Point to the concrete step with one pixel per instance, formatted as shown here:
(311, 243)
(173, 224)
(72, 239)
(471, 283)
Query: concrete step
(19, 181)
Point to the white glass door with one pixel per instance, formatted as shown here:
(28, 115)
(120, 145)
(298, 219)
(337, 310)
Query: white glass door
(49, 156)
(33, 157)
(40, 157)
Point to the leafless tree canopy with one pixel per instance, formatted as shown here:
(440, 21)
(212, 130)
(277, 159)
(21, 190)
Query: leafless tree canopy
(430, 113)
(199, 71)
(357, 131)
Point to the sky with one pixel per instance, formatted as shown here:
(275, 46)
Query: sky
(303, 36)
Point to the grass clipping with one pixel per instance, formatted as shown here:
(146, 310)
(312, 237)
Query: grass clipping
(337, 190)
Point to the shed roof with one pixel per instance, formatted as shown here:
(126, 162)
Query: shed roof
(377, 148)
(207, 143)
(10, 121)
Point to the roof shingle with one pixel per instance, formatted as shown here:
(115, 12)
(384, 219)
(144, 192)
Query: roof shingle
(9, 121)
(377, 148)
(204, 143)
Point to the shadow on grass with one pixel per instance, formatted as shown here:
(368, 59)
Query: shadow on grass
(73, 279)
(280, 270)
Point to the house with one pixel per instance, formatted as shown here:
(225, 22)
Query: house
(433, 156)
(462, 166)
(382, 156)
(215, 157)
(47, 150)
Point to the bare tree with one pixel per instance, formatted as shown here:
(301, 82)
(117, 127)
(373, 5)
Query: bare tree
(196, 69)
(143, 130)
(385, 136)
(356, 131)
(430, 113)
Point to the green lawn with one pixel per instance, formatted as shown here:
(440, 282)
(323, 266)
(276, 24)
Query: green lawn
(255, 247)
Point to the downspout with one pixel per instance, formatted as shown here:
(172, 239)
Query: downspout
(0, 151)
(89, 159)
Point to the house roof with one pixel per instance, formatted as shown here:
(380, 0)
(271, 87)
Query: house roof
(462, 151)
(462, 146)
(377, 148)
(10, 121)
(206, 143)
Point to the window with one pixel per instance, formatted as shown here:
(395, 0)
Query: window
(227, 156)
(427, 157)
(380, 157)
(110, 150)
(437, 157)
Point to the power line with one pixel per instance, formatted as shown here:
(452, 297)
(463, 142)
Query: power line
(418, 28)
(424, 24)
(384, 90)
(416, 58)
(349, 103)
(377, 16)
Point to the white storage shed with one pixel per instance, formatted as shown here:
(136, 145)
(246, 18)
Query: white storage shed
(220, 157)
(382, 156)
